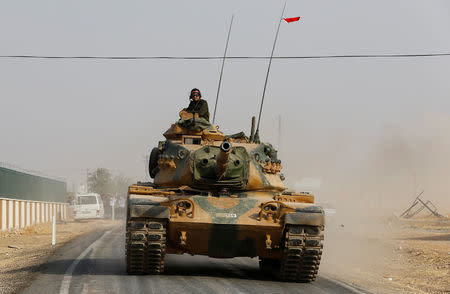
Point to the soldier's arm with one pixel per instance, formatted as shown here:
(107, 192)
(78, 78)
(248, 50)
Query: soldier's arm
(204, 111)
(190, 106)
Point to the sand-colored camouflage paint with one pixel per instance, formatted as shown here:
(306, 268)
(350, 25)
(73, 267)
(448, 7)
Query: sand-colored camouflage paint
(232, 224)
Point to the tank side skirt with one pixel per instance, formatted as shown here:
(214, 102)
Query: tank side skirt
(150, 211)
(305, 218)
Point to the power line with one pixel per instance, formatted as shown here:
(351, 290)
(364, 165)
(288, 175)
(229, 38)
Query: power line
(221, 57)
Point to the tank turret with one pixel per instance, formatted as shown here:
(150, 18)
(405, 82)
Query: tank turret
(197, 154)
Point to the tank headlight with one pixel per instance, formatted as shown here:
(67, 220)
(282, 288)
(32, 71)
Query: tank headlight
(273, 211)
(181, 154)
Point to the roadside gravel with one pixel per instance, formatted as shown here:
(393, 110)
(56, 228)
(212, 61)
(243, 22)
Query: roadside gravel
(22, 252)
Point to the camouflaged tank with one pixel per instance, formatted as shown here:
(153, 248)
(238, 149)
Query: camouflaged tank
(221, 196)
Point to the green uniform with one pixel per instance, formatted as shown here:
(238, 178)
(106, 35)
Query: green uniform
(200, 107)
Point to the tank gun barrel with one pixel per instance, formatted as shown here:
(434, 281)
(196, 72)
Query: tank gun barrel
(222, 158)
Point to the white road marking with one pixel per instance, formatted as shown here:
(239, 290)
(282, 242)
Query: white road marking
(65, 284)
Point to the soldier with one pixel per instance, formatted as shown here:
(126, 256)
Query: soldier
(198, 105)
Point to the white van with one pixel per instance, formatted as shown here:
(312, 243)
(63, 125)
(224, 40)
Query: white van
(88, 205)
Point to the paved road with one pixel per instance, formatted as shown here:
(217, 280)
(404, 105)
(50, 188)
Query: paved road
(95, 264)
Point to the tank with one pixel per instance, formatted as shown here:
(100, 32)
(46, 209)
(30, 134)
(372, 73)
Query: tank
(221, 196)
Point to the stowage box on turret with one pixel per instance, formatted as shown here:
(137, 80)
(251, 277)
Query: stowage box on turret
(221, 196)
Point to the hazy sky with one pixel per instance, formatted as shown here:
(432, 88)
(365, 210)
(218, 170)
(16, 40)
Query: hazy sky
(63, 116)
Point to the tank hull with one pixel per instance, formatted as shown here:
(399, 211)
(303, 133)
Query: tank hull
(282, 230)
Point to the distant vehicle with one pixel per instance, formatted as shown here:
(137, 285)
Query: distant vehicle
(88, 205)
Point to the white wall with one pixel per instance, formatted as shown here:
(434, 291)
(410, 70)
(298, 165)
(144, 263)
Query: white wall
(16, 213)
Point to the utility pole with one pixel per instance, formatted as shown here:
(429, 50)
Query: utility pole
(87, 179)
(113, 205)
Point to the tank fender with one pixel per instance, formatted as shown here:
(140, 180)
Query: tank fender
(149, 211)
(309, 216)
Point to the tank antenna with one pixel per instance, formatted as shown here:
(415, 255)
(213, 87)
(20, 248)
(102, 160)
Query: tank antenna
(256, 139)
(221, 71)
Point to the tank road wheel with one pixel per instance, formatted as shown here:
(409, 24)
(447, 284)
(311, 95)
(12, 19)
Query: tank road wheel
(145, 246)
(302, 253)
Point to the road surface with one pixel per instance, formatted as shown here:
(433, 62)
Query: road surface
(95, 263)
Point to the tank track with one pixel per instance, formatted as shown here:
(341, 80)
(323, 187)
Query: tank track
(145, 246)
(302, 253)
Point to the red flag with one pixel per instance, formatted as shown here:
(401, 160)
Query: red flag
(291, 19)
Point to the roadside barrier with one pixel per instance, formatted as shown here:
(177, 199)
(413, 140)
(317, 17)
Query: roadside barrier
(17, 213)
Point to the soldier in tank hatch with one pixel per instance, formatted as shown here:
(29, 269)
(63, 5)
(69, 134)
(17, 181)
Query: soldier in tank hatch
(198, 105)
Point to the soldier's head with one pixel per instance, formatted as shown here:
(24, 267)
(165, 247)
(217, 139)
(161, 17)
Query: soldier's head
(195, 94)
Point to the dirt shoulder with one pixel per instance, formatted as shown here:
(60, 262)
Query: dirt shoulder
(422, 254)
(23, 251)
(392, 256)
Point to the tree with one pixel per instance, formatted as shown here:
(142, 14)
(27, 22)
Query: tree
(100, 181)
(121, 184)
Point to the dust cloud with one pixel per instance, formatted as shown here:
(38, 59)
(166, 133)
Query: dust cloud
(370, 181)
